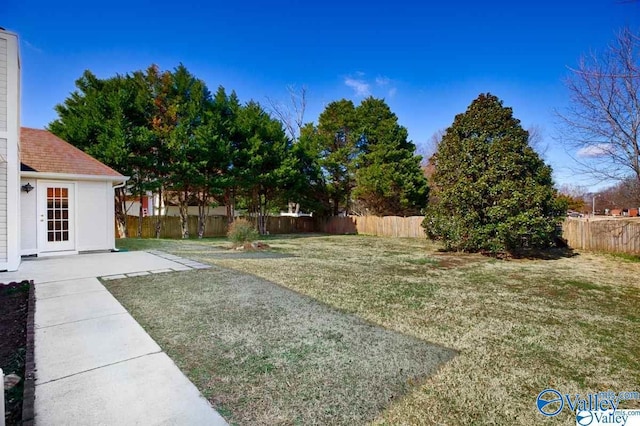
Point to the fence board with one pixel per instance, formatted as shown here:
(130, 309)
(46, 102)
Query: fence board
(216, 226)
(387, 226)
(619, 235)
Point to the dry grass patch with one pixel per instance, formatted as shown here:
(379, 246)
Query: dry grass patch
(263, 354)
(520, 325)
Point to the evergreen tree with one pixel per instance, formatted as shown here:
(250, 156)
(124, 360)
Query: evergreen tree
(491, 191)
(107, 119)
(389, 180)
(266, 169)
(336, 141)
(189, 102)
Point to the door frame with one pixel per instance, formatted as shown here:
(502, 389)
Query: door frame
(41, 221)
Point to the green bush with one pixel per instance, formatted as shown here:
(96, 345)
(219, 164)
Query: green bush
(241, 231)
(491, 190)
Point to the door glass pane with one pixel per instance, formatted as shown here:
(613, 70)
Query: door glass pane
(58, 214)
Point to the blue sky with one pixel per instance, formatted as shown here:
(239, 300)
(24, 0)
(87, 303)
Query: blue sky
(429, 61)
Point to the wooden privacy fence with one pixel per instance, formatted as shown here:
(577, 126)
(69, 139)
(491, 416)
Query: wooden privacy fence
(216, 226)
(387, 226)
(610, 235)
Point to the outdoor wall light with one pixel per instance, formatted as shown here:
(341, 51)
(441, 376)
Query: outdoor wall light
(27, 188)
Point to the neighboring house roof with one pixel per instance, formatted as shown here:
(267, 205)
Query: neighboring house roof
(42, 151)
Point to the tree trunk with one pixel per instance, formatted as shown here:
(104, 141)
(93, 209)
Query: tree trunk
(262, 214)
(159, 216)
(140, 215)
(229, 202)
(336, 205)
(120, 210)
(183, 201)
(203, 210)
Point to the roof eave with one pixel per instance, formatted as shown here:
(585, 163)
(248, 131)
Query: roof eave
(72, 176)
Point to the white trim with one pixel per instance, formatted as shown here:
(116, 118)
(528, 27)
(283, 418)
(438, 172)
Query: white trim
(41, 188)
(110, 193)
(57, 253)
(28, 252)
(11, 33)
(12, 134)
(72, 176)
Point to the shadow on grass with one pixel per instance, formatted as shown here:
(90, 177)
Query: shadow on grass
(548, 254)
(275, 237)
(251, 340)
(555, 253)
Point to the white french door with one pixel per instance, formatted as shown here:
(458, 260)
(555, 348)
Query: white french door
(56, 213)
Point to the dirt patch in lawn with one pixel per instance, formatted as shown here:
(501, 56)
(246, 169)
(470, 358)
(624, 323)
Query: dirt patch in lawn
(14, 307)
(263, 354)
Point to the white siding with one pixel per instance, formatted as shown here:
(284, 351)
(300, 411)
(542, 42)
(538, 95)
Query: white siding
(3, 152)
(95, 222)
(9, 150)
(3, 85)
(3, 201)
(29, 218)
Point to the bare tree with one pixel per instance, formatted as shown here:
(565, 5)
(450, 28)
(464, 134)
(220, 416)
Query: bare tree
(292, 114)
(536, 140)
(602, 123)
(624, 194)
(427, 149)
(572, 190)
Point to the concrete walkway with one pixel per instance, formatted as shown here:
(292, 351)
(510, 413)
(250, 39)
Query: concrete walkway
(95, 364)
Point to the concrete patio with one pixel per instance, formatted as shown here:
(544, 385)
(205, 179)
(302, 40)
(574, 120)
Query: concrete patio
(95, 364)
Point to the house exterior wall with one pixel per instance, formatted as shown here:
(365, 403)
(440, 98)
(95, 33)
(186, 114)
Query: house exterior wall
(3, 204)
(9, 151)
(29, 218)
(95, 226)
(93, 214)
(3, 82)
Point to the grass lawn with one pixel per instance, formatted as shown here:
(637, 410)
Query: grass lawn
(518, 327)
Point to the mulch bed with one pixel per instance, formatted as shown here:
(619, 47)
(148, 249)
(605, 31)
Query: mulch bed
(15, 352)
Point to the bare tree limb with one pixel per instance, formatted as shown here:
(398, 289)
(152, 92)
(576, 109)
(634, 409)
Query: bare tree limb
(536, 140)
(602, 124)
(292, 114)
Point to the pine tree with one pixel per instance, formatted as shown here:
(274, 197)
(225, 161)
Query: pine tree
(336, 139)
(389, 180)
(491, 191)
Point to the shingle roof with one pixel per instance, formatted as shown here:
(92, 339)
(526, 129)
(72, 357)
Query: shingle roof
(42, 151)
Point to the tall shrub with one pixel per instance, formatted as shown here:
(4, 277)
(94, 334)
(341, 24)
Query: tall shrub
(491, 191)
